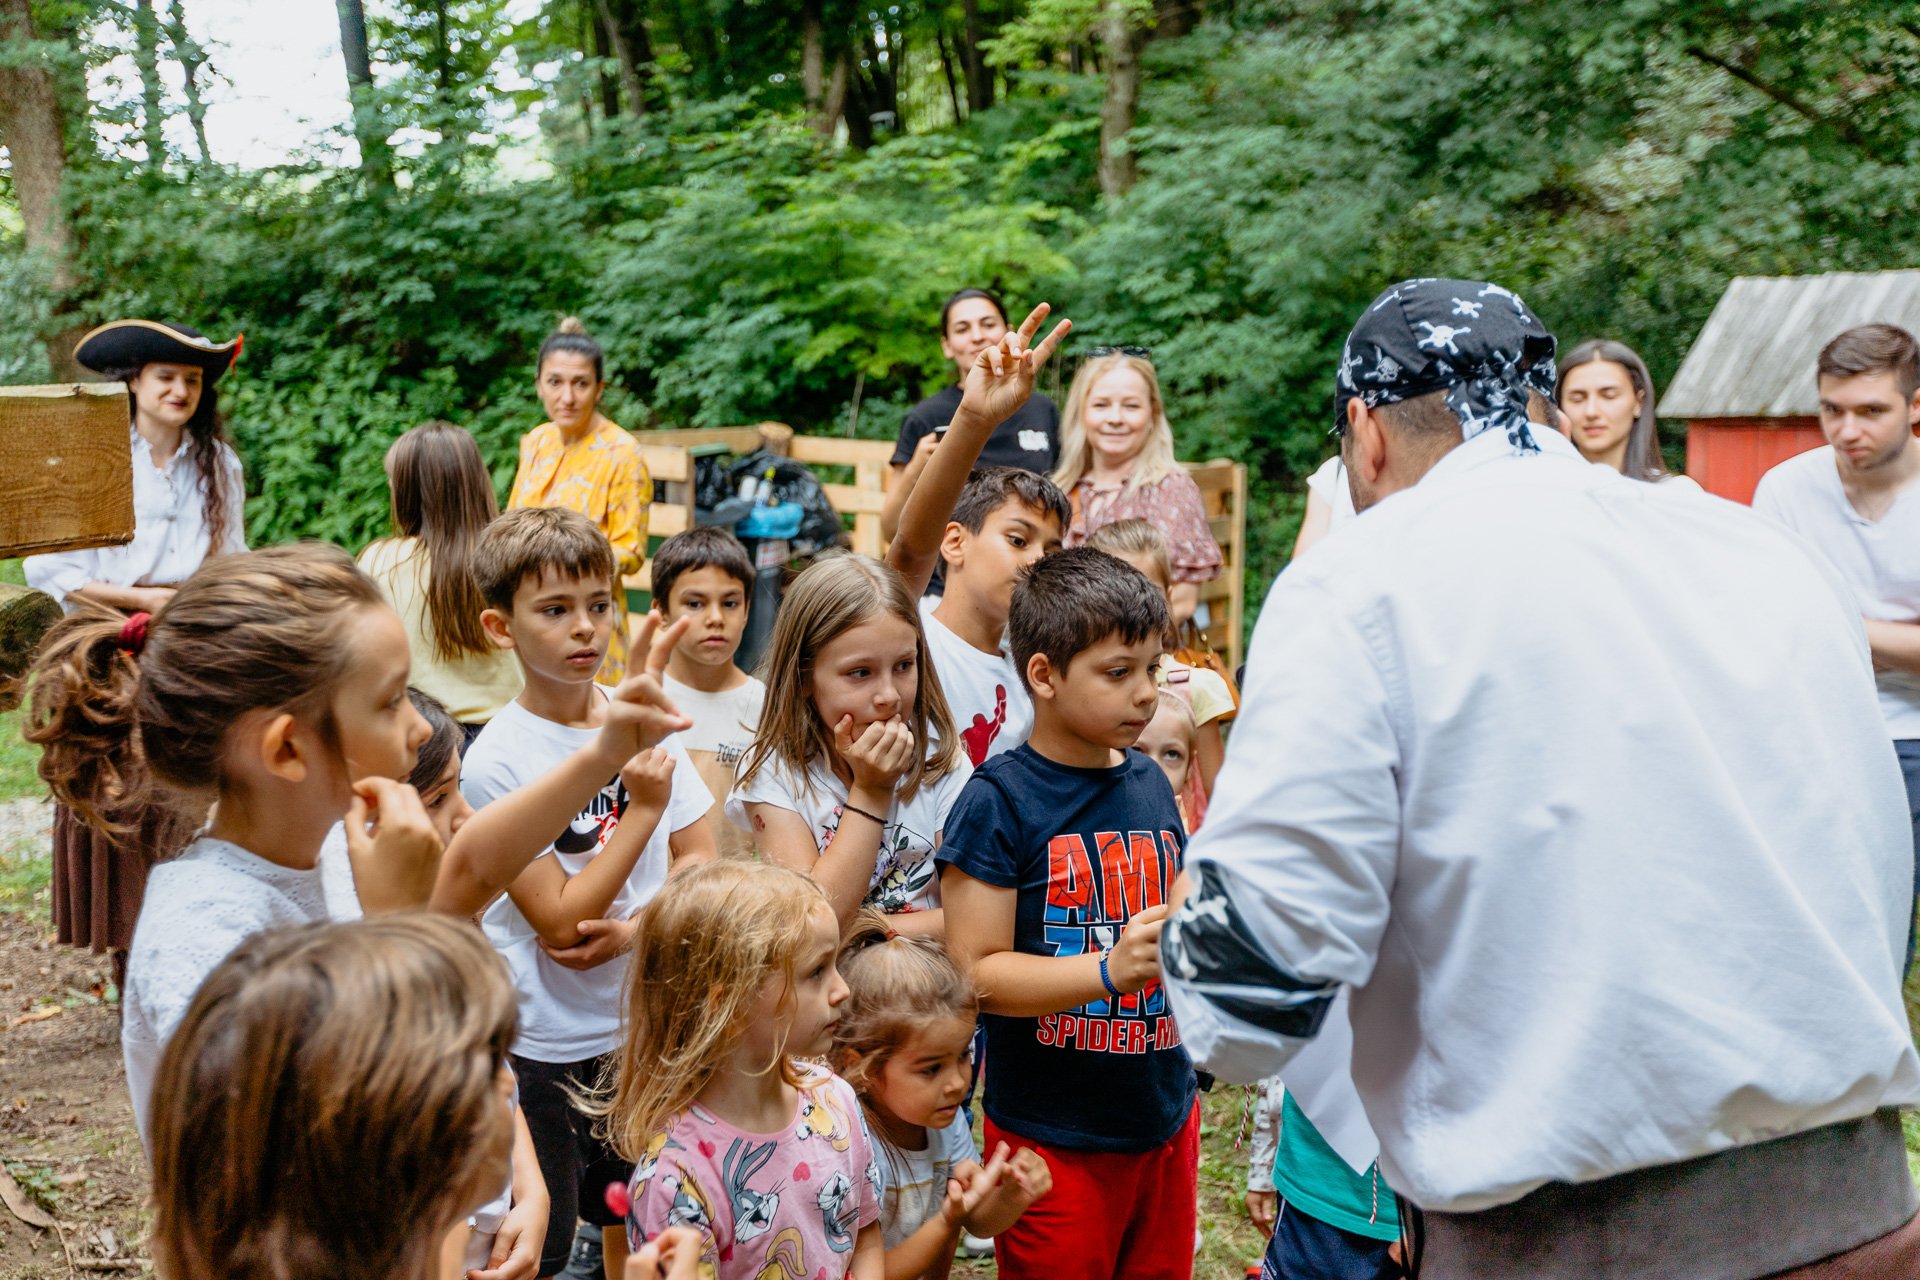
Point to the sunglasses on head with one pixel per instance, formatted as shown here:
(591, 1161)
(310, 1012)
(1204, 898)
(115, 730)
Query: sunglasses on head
(1138, 353)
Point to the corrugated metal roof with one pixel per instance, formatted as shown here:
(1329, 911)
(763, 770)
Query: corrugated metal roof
(1756, 355)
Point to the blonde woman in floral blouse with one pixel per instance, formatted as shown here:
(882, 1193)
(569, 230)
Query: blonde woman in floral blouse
(1117, 463)
(581, 461)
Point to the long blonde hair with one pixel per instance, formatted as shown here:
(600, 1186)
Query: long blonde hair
(328, 1074)
(707, 944)
(831, 597)
(1156, 459)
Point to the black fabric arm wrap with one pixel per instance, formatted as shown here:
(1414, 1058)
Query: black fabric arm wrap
(1208, 945)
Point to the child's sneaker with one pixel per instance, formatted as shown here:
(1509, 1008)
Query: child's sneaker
(973, 1246)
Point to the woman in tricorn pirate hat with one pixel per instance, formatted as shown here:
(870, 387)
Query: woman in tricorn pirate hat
(187, 506)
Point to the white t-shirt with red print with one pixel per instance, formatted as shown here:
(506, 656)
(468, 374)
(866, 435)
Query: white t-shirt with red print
(989, 700)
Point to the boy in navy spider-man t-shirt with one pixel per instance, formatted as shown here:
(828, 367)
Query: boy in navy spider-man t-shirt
(1057, 859)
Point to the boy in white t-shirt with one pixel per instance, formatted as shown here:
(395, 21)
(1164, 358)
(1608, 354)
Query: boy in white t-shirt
(565, 923)
(704, 575)
(987, 526)
(1004, 520)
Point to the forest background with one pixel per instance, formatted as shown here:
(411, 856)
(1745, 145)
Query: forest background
(759, 205)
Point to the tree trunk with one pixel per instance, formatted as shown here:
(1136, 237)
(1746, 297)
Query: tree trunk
(847, 98)
(1121, 105)
(191, 57)
(813, 67)
(979, 74)
(1174, 18)
(146, 57)
(376, 159)
(601, 47)
(946, 67)
(35, 137)
(614, 34)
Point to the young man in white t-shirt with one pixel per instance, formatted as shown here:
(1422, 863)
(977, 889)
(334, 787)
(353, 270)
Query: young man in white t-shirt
(705, 576)
(1857, 501)
(566, 922)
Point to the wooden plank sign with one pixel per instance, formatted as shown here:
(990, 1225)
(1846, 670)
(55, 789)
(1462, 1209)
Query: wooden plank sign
(66, 454)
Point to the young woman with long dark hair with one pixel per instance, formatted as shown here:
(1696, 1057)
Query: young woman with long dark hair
(187, 495)
(442, 499)
(1606, 393)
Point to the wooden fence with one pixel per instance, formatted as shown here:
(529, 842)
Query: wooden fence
(854, 474)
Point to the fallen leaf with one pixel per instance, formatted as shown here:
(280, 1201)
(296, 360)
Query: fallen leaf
(20, 1204)
(41, 1014)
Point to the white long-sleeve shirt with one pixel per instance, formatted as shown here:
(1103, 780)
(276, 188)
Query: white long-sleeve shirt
(170, 533)
(1582, 786)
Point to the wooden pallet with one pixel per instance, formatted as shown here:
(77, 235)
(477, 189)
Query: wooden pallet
(855, 473)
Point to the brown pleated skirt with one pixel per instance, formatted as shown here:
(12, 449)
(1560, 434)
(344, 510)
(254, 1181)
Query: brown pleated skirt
(99, 881)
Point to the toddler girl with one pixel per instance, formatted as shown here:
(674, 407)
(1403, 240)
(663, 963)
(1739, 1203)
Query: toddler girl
(731, 1132)
(856, 761)
(274, 682)
(904, 1042)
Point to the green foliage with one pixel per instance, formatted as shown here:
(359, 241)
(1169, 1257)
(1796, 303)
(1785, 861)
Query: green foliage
(1615, 164)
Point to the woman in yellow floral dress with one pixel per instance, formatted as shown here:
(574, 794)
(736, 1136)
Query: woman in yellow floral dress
(579, 460)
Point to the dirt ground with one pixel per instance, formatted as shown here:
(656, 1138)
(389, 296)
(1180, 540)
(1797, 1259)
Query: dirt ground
(66, 1129)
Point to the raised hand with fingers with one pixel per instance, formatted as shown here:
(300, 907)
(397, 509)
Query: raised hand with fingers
(1001, 378)
(392, 845)
(639, 713)
(964, 1193)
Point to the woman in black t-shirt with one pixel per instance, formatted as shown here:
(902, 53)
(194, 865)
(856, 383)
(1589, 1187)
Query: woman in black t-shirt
(970, 322)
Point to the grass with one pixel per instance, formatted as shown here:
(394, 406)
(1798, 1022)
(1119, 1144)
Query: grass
(19, 759)
(19, 762)
(26, 871)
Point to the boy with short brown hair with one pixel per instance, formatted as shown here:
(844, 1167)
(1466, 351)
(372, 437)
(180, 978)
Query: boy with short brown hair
(1056, 863)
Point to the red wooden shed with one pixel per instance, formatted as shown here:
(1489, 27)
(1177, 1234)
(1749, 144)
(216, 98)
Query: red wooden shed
(1747, 387)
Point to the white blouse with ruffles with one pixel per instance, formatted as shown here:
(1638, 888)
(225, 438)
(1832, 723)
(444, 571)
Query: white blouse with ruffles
(170, 534)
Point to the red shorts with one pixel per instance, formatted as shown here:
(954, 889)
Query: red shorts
(1108, 1215)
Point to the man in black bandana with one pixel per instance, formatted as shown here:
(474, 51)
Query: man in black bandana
(1524, 761)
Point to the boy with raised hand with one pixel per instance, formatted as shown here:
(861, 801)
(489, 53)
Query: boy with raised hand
(987, 526)
(705, 577)
(590, 861)
(1056, 863)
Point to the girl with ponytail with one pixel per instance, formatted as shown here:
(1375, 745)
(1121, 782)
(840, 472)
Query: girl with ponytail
(271, 688)
(904, 1042)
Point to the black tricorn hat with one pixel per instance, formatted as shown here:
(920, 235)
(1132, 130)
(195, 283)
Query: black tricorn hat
(128, 344)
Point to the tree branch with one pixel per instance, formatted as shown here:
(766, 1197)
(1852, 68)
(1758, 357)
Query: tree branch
(1841, 129)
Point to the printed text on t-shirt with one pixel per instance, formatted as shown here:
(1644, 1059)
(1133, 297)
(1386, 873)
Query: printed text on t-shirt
(1085, 912)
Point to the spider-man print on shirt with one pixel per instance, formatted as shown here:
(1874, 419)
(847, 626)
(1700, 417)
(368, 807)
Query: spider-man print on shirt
(591, 828)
